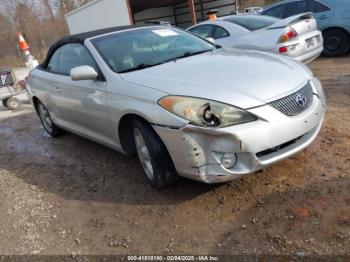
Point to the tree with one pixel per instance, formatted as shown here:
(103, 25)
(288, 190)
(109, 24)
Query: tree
(65, 6)
(49, 9)
(8, 33)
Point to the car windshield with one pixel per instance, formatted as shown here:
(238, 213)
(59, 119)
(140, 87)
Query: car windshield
(145, 47)
(252, 23)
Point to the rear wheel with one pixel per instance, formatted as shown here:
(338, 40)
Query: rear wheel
(4, 102)
(336, 42)
(156, 162)
(46, 121)
(13, 103)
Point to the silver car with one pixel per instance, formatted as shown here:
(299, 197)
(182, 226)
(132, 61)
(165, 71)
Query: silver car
(253, 10)
(296, 36)
(185, 106)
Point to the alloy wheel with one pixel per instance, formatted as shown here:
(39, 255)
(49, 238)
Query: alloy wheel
(45, 118)
(143, 153)
(333, 43)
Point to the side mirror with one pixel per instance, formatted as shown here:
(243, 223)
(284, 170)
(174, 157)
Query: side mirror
(210, 39)
(83, 73)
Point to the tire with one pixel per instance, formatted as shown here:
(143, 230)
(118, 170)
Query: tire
(336, 42)
(4, 102)
(155, 160)
(46, 121)
(13, 103)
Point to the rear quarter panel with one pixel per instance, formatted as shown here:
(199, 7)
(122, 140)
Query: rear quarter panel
(305, 26)
(262, 40)
(341, 14)
(40, 85)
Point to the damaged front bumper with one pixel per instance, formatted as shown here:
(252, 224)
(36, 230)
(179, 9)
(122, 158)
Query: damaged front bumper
(197, 151)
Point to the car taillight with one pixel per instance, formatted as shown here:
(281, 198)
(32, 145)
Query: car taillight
(283, 49)
(288, 35)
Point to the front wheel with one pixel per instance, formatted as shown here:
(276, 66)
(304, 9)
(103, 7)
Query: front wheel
(155, 160)
(46, 121)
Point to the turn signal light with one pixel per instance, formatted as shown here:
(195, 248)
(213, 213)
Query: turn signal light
(290, 34)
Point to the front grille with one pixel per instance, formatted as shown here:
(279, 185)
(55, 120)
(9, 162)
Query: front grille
(278, 148)
(295, 103)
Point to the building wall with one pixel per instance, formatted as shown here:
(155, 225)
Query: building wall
(225, 7)
(183, 16)
(248, 3)
(98, 14)
(159, 14)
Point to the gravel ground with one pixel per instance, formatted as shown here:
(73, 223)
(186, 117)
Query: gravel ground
(72, 196)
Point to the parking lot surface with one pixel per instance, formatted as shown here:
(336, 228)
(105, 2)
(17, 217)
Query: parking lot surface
(72, 196)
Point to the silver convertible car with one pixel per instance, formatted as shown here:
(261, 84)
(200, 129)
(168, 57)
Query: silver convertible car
(185, 106)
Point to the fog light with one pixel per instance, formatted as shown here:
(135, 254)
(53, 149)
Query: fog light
(228, 160)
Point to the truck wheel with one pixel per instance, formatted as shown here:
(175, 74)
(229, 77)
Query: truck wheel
(336, 42)
(156, 162)
(13, 103)
(49, 126)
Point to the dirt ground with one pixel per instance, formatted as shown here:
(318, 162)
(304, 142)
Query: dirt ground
(72, 196)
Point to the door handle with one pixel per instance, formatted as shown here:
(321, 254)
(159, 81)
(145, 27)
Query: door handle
(322, 17)
(57, 89)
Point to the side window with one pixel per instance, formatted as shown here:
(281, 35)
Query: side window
(73, 55)
(219, 32)
(276, 11)
(202, 30)
(295, 8)
(319, 7)
(54, 61)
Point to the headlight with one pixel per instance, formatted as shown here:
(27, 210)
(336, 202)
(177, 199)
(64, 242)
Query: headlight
(202, 112)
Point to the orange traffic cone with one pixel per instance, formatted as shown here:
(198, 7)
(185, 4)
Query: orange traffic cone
(30, 61)
(212, 14)
(22, 43)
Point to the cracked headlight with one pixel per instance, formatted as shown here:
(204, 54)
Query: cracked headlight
(206, 113)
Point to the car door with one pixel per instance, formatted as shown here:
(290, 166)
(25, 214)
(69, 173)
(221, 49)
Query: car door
(81, 105)
(323, 14)
(48, 83)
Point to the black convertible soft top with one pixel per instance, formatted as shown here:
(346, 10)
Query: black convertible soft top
(80, 38)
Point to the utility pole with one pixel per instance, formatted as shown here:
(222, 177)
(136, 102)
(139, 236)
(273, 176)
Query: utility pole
(192, 11)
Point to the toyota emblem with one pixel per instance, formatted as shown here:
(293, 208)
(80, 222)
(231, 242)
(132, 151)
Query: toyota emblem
(301, 100)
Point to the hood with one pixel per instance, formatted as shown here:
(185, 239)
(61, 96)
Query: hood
(241, 78)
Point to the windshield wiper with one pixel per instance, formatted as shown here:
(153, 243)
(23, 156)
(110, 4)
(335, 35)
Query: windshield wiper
(189, 53)
(138, 67)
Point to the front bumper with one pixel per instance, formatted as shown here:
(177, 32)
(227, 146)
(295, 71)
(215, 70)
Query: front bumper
(196, 151)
